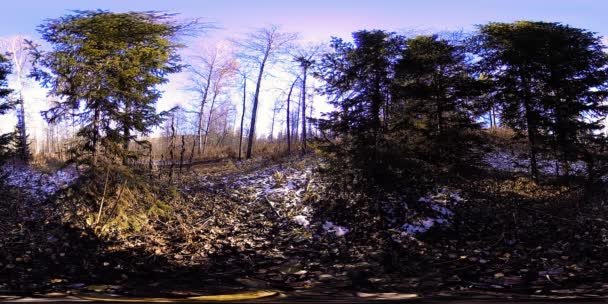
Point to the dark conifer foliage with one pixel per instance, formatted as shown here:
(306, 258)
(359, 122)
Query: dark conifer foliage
(399, 101)
(422, 98)
(20, 140)
(437, 104)
(106, 67)
(359, 79)
(549, 80)
(5, 106)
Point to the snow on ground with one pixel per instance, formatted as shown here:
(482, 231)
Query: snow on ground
(301, 220)
(283, 186)
(39, 185)
(512, 162)
(278, 184)
(335, 229)
(440, 203)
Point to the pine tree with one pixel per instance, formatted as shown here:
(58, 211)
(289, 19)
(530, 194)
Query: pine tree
(106, 68)
(20, 139)
(549, 79)
(437, 99)
(358, 79)
(5, 106)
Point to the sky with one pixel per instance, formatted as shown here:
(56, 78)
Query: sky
(315, 20)
(319, 19)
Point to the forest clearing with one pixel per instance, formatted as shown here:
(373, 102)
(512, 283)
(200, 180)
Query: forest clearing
(165, 164)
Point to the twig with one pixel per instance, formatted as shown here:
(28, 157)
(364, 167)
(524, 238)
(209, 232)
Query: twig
(122, 188)
(205, 221)
(103, 197)
(272, 207)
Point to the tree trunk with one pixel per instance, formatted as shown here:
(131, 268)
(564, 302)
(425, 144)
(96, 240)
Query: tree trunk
(296, 123)
(127, 134)
(274, 114)
(23, 150)
(305, 68)
(182, 152)
(200, 114)
(171, 148)
(255, 108)
(197, 139)
(310, 129)
(95, 135)
(531, 126)
(224, 132)
(243, 114)
(288, 113)
(209, 122)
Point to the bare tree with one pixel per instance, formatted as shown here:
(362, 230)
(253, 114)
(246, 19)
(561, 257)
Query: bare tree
(243, 73)
(214, 68)
(289, 113)
(262, 47)
(278, 106)
(202, 74)
(226, 120)
(223, 74)
(310, 114)
(295, 118)
(305, 57)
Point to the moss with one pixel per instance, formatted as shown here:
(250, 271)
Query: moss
(160, 208)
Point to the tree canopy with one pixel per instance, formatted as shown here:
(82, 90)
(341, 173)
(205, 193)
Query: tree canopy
(5, 105)
(550, 81)
(106, 68)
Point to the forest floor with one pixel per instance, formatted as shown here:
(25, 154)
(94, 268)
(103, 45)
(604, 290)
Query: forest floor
(279, 225)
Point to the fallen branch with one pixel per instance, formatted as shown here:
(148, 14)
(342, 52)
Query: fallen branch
(272, 207)
(103, 197)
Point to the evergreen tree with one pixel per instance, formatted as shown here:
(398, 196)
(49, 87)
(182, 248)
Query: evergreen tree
(549, 80)
(5, 106)
(358, 79)
(437, 96)
(20, 139)
(576, 86)
(106, 68)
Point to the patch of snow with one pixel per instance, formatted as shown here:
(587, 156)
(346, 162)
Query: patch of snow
(39, 185)
(442, 210)
(290, 185)
(421, 226)
(511, 162)
(336, 229)
(301, 220)
(440, 202)
(340, 231)
(289, 191)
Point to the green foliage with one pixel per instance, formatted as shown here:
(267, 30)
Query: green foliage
(402, 105)
(115, 200)
(549, 80)
(358, 79)
(106, 67)
(413, 103)
(5, 106)
(436, 105)
(20, 138)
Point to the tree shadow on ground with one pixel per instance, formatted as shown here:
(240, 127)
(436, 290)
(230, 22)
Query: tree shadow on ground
(42, 257)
